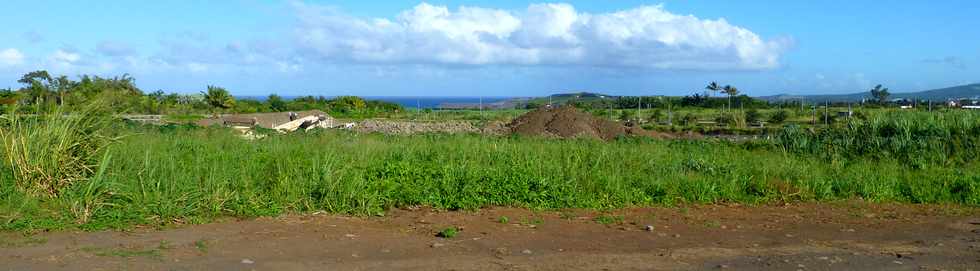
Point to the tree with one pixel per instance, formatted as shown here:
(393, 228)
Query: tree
(348, 103)
(37, 85)
(218, 97)
(276, 103)
(35, 77)
(61, 86)
(732, 92)
(713, 87)
(880, 93)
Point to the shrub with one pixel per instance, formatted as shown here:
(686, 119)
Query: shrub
(779, 117)
(689, 119)
(752, 115)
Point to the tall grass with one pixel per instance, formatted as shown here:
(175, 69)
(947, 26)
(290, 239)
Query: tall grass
(50, 151)
(917, 139)
(186, 175)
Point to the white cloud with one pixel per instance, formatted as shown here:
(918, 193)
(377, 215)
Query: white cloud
(64, 57)
(11, 57)
(543, 34)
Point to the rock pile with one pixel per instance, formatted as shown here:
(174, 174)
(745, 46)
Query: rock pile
(408, 128)
(569, 122)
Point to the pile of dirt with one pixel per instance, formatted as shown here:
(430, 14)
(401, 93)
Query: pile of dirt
(569, 122)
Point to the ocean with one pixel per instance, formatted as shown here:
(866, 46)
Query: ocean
(410, 102)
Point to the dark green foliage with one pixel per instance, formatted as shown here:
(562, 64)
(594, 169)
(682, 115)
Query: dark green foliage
(448, 233)
(43, 92)
(779, 116)
(276, 103)
(689, 119)
(752, 115)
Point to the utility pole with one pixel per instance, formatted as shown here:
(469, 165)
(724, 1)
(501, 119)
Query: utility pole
(826, 113)
(813, 117)
(481, 108)
(611, 117)
(639, 103)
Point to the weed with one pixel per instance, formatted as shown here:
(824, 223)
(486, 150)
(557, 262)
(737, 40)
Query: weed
(448, 233)
(532, 221)
(609, 219)
(201, 245)
(503, 220)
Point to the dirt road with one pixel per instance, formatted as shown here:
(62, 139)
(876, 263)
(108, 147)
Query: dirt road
(837, 236)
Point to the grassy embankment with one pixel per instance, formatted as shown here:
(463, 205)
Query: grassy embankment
(166, 175)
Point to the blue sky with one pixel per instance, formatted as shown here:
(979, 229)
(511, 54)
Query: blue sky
(497, 48)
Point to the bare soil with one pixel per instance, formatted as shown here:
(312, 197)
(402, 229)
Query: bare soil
(835, 236)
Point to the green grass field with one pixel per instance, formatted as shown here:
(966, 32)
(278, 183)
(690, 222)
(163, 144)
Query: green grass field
(175, 174)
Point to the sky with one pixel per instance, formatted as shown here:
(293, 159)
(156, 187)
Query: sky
(497, 48)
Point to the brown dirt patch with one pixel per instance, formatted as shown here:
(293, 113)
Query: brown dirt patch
(837, 236)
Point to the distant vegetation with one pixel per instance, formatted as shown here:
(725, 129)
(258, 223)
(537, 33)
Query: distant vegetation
(43, 92)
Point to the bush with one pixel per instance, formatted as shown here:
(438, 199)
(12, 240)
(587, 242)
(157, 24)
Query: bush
(725, 119)
(689, 119)
(657, 115)
(779, 117)
(752, 115)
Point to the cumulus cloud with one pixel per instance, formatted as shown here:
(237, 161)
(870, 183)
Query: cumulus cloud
(543, 34)
(11, 57)
(65, 57)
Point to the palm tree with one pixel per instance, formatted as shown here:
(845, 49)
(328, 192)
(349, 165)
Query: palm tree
(713, 87)
(218, 97)
(732, 92)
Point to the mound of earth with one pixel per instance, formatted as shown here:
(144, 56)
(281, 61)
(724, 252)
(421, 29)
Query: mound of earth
(569, 122)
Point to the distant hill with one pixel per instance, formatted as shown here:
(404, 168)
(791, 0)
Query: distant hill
(971, 91)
